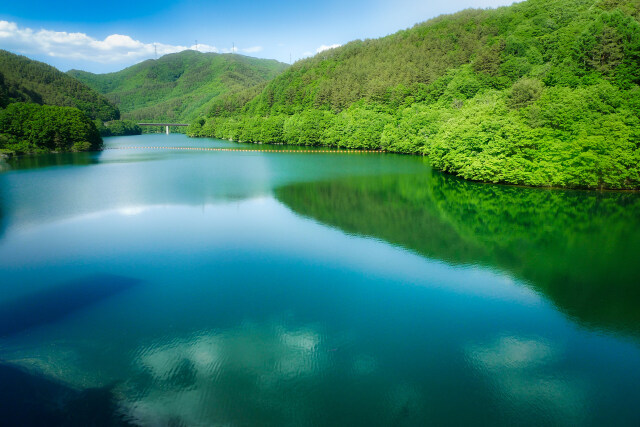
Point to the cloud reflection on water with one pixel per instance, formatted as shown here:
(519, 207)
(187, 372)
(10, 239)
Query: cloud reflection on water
(522, 369)
(197, 380)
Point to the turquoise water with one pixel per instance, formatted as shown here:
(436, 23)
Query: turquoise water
(274, 288)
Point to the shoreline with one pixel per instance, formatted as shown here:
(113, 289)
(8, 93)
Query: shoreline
(506, 184)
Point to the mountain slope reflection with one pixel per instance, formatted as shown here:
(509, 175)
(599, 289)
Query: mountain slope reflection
(29, 399)
(577, 248)
(51, 160)
(56, 302)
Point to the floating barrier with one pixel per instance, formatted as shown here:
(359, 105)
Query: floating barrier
(244, 150)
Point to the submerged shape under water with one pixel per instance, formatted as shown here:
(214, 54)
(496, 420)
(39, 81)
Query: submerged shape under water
(311, 289)
(56, 302)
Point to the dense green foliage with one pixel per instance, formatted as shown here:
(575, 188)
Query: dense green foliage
(543, 92)
(25, 80)
(532, 234)
(118, 128)
(179, 86)
(44, 110)
(33, 128)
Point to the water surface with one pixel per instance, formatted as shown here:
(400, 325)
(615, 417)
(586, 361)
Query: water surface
(173, 287)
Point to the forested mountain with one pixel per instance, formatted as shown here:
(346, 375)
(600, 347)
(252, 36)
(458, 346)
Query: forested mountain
(179, 86)
(43, 110)
(26, 80)
(543, 92)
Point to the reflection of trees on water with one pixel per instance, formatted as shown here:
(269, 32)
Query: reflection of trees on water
(578, 248)
(3, 214)
(49, 160)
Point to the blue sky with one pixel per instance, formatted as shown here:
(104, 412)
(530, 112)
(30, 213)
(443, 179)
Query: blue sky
(108, 36)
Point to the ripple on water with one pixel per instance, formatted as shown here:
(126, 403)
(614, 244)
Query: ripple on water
(216, 375)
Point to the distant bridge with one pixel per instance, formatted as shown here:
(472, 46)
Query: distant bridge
(166, 125)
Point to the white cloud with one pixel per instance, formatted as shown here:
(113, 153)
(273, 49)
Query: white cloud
(325, 47)
(233, 49)
(252, 49)
(114, 48)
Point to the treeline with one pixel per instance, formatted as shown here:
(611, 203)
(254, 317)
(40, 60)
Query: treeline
(179, 86)
(25, 80)
(541, 93)
(32, 128)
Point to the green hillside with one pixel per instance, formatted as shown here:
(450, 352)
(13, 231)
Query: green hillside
(179, 86)
(26, 80)
(543, 92)
(44, 110)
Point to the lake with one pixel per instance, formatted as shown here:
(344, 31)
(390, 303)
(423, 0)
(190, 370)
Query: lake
(186, 287)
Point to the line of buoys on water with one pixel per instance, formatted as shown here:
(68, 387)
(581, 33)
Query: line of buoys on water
(245, 150)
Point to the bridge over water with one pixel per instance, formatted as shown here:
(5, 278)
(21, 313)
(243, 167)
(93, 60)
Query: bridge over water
(166, 125)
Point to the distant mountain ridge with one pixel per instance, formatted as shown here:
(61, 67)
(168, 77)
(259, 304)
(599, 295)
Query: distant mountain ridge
(25, 80)
(179, 86)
